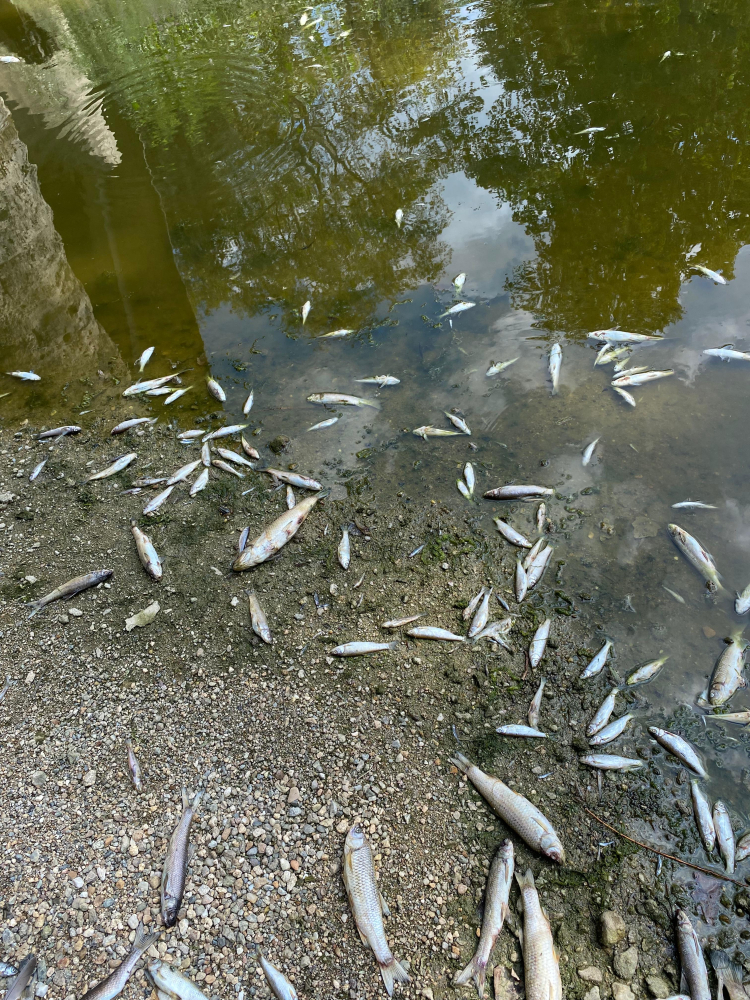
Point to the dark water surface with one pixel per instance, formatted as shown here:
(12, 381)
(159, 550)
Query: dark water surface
(206, 168)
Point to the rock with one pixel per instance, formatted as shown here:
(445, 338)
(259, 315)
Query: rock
(30, 579)
(7, 497)
(461, 889)
(75, 612)
(593, 994)
(621, 991)
(613, 928)
(38, 778)
(133, 922)
(293, 796)
(644, 527)
(590, 974)
(89, 779)
(626, 962)
(658, 987)
(144, 617)
(279, 444)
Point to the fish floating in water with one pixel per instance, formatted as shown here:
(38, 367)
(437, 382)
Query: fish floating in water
(381, 380)
(335, 335)
(555, 364)
(640, 377)
(215, 389)
(426, 430)
(728, 353)
(623, 337)
(693, 503)
(592, 129)
(399, 217)
(26, 376)
(144, 358)
(696, 555)
(306, 311)
(150, 384)
(340, 399)
(514, 492)
(499, 366)
(323, 424)
(588, 453)
(459, 307)
(713, 275)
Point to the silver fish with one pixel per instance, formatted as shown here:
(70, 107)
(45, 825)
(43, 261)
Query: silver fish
(293, 478)
(471, 607)
(279, 985)
(200, 483)
(242, 540)
(174, 396)
(190, 435)
(70, 589)
(496, 632)
(516, 730)
(510, 534)
(537, 566)
(431, 632)
(541, 516)
(248, 448)
(518, 493)
(147, 386)
(727, 675)
(176, 862)
(291, 500)
(206, 454)
(592, 130)
(588, 453)
(694, 503)
(540, 961)
(729, 977)
(147, 553)
(597, 664)
(611, 762)
(344, 550)
(248, 404)
(58, 432)
(673, 593)
(234, 456)
(458, 282)
(514, 810)
(647, 671)
(536, 705)
(743, 848)
(134, 767)
(25, 971)
(463, 489)
(703, 816)
(400, 622)
(26, 376)
(724, 835)
(426, 430)
(621, 337)
(533, 552)
(125, 425)
(362, 648)
(182, 474)
(603, 714)
(469, 477)
(223, 432)
(257, 618)
(499, 366)
(691, 958)
(726, 353)
(381, 380)
(144, 358)
(115, 982)
(459, 307)
(219, 463)
(122, 463)
(496, 910)
(153, 505)
(521, 581)
(335, 335)
(640, 378)
(340, 399)
(481, 615)
(742, 601)
(169, 981)
(368, 906)
(610, 732)
(399, 217)
(625, 395)
(215, 389)
(324, 423)
(458, 422)
(555, 364)
(741, 718)
(623, 371)
(8, 970)
(695, 553)
(37, 470)
(306, 311)
(679, 748)
(276, 535)
(714, 275)
(163, 391)
(539, 643)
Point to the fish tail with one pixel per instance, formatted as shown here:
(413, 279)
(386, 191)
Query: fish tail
(461, 762)
(393, 973)
(476, 970)
(35, 606)
(196, 801)
(525, 881)
(144, 939)
(395, 644)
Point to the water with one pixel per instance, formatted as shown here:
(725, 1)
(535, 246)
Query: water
(205, 168)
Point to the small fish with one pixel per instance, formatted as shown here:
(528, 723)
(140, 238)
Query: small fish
(219, 463)
(459, 281)
(497, 632)
(153, 505)
(344, 549)
(171, 984)
(463, 489)
(473, 604)
(640, 378)
(696, 555)
(363, 648)
(248, 448)
(233, 456)
(400, 622)
(149, 384)
(727, 676)
(206, 455)
(149, 481)
(520, 731)
(727, 353)
(622, 372)
(513, 492)
(458, 422)
(694, 503)
(294, 479)
(428, 431)
(510, 534)
(144, 358)
(459, 307)
(742, 601)
(135, 768)
(115, 982)
(608, 354)
(521, 581)
(340, 399)
(535, 706)
(70, 589)
(621, 337)
(532, 553)
(692, 962)
(603, 714)
(223, 432)
(541, 516)
(58, 432)
(147, 553)
(703, 816)
(469, 477)
(188, 435)
(539, 643)
(174, 875)
(279, 985)
(200, 483)
(431, 632)
(162, 391)
(291, 500)
(37, 470)
(647, 671)
(610, 732)
(496, 909)
(381, 380)
(741, 718)
(536, 569)
(743, 848)
(176, 395)
(555, 364)
(713, 275)
(182, 474)
(499, 366)
(242, 540)
(215, 389)
(304, 19)
(122, 463)
(8, 970)
(481, 615)
(540, 959)
(335, 335)
(257, 618)
(588, 453)
(679, 748)
(514, 810)
(324, 423)
(611, 762)
(666, 55)
(592, 129)
(26, 376)
(133, 422)
(248, 404)
(673, 593)
(399, 217)
(305, 311)
(275, 536)
(25, 971)
(597, 664)
(625, 395)
(9, 59)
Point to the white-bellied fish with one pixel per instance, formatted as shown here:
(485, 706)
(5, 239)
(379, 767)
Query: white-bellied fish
(200, 483)
(122, 463)
(692, 962)
(694, 503)
(597, 664)
(400, 622)
(713, 275)
(279, 985)
(539, 643)
(645, 672)
(276, 535)
(459, 307)
(258, 619)
(219, 463)
(459, 281)
(463, 489)
(536, 705)
(189, 435)
(381, 380)
(174, 396)
(164, 390)
(291, 500)
(499, 366)
(610, 732)
(153, 505)
(703, 816)
(469, 477)
(335, 335)
(174, 874)
(520, 730)
(233, 456)
(622, 337)
(340, 399)
(521, 581)
(248, 404)
(541, 963)
(144, 358)
(742, 601)
(150, 384)
(125, 425)
(589, 451)
(624, 394)
(555, 364)
(471, 607)
(611, 762)
(305, 312)
(215, 389)
(182, 474)
(640, 378)
(136, 776)
(592, 130)
(432, 632)
(363, 648)
(694, 552)
(603, 713)
(115, 982)
(293, 478)
(324, 423)
(26, 376)
(679, 747)
(537, 566)
(171, 984)
(727, 676)
(481, 615)
(147, 553)
(727, 353)
(510, 534)
(517, 492)
(427, 431)
(70, 589)
(541, 516)
(223, 432)
(344, 551)
(743, 848)
(399, 217)
(458, 422)
(35, 472)
(58, 432)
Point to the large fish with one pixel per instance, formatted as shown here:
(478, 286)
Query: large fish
(513, 492)
(727, 675)
(691, 959)
(175, 864)
(694, 552)
(147, 553)
(115, 982)
(540, 961)
(70, 589)
(276, 535)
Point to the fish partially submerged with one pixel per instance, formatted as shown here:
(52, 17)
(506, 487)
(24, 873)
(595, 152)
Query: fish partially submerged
(144, 358)
(122, 463)
(647, 671)
(458, 422)
(589, 451)
(703, 816)
(340, 399)
(597, 664)
(381, 380)
(70, 589)
(324, 423)
(679, 747)
(149, 384)
(257, 617)
(724, 835)
(540, 960)
(694, 503)
(279, 985)
(174, 875)
(26, 376)
(517, 492)
(459, 307)
(624, 394)
(623, 337)
(499, 366)
(727, 676)
(713, 275)
(115, 982)
(215, 389)
(696, 555)
(742, 601)
(276, 535)
(536, 705)
(248, 404)
(293, 478)
(555, 364)
(639, 378)
(334, 335)
(428, 431)
(728, 353)
(510, 534)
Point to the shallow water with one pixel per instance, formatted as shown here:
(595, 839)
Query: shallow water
(206, 168)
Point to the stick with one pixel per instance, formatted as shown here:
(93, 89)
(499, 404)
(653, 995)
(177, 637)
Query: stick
(670, 857)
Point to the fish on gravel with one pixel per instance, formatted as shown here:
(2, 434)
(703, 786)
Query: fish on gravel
(190, 435)
(514, 810)
(610, 732)
(340, 399)
(426, 430)
(126, 425)
(58, 432)
(174, 874)
(496, 909)
(533, 552)
(471, 607)
(293, 478)
(248, 448)
(257, 617)
(171, 984)
(622, 337)
(588, 453)
(248, 404)
(630, 400)
(223, 432)
(149, 384)
(26, 376)
(555, 364)
(182, 474)
(647, 671)
(305, 312)
(134, 767)
(115, 982)
(694, 552)
(459, 307)
(727, 353)
(611, 762)
(713, 275)
(520, 730)
(499, 366)
(541, 516)
(200, 483)
(149, 481)
(727, 676)
(147, 553)
(362, 648)
(640, 378)
(144, 358)
(153, 505)
(539, 643)
(344, 551)
(26, 970)
(432, 632)
(510, 534)
(36, 471)
(291, 500)
(8, 970)
(536, 705)
(458, 422)
(219, 463)
(703, 816)
(541, 963)
(234, 456)
(724, 835)
(70, 589)
(694, 503)
(206, 454)
(273, 538)
(679, 747)
(400, 622)
(122, 463)
(323, 424)
(481, 615)
(597, 664)
(242, 540)
(743, 848)
(334, 335)
(279, 985)
(603, 713)
(521, 581)
(742, 601)
(215, 389)
(368, 906)
(513, 492)
(537, 566)
(692, 962)
(381, 380)
(496, 632)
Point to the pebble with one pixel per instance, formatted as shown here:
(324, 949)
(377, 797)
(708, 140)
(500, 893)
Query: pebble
(626, 963)
(38, 778)
(658, 986)
(613, 928)
(621, 991)
(590, 974)
(593, 994)
(89, 779)
(75, 612)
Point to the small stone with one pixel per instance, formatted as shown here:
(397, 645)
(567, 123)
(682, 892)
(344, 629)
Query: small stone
(133, 921)
(78, 882)
(708, 632)
(658, 987)
(613, 928)
(293, 796)
(461, 889)
(30, 579)
(626, 963)
(590, 974)
(89, 778)
(621, 991)
(279, 444)
(38, 778)
(593, 994)
(75, 612)
(427, 992)
(154, 881)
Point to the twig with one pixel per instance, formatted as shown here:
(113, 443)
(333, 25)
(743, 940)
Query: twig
(663, 854)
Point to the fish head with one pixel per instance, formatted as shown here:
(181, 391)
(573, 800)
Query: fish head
(683, 922)
(355, 839)
(675, 531)
(506, 850)
(552, 847)
(154, 968)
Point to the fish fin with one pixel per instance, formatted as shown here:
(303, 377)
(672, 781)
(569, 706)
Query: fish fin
(363, 939)
(383, 905)
(726, 969)
(144, 939)
(185, 799)
(196, 801)
(461, 762)
(35, 606)
(393, 973)
(683, 983)
(476, 970)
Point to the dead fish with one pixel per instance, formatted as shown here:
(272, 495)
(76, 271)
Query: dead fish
(150, 384)
(428, 431)
(727, 676)
(219, 463)
(324, 423)
(692, 961)
(469, 478)
(540, 959)
(344, 550)
(514, 810)
(458, 422)
(362, 648)
(647, 671)
(694, 503)
(70, 589)
(248, 404)
(496, 910)
(515, 730)
(597, 664)
(248, 448)
(189, 435)
(3, 692)
(713, 275)
(215, 389)
(610, 732)
(257, 618)
(591, 130)
(431, 632)
(153, 505)
(144, 358)
(537, 566)
(511, 535)
(555, 364)
(703, 815)
(673, 593)
(206, 454)
(399, 216)
(200, 483)
(115, 982)
(622, 337)
(335, 335)
(459, 307)
(521, 581)
(37, 469)
(171, 984)
(26, 376)
(729, 977)
(122, 463)
(536, 705)
(518, 493)
(641, 378)
(743, 848)
(176, 395)
(588, 453)
(58, 432)
(224, 432)
(147, 553)
(276, 535)
(291, 500)
(603, 714)
(8, 970)
(233, 456)
(724, 835)
(727, 353)
(23, 977)
(305, 311)
(242, 540)
(163, 391)
(149, 481)
(679, 748)
(497, 632)
(368, 906)
(696, 555)
(541, 516)
(400, 622)
(458, 282)
(182, 474)
(742, 601)
(630, 400)
(611, 762)
(279, 985)
(481, 615)
(174, 874)
(135, 768)
(539, 643)
(532, 553)
(473, 604)
(133, 422)
(623, 371)
(741, 718)
(499, 366)
(463, 489)
(294, 479)
(340, 399)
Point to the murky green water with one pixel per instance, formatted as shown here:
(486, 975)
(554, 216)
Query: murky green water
(206, 168)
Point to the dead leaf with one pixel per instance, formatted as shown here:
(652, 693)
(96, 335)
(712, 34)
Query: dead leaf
(144, 617)
(706, 895)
